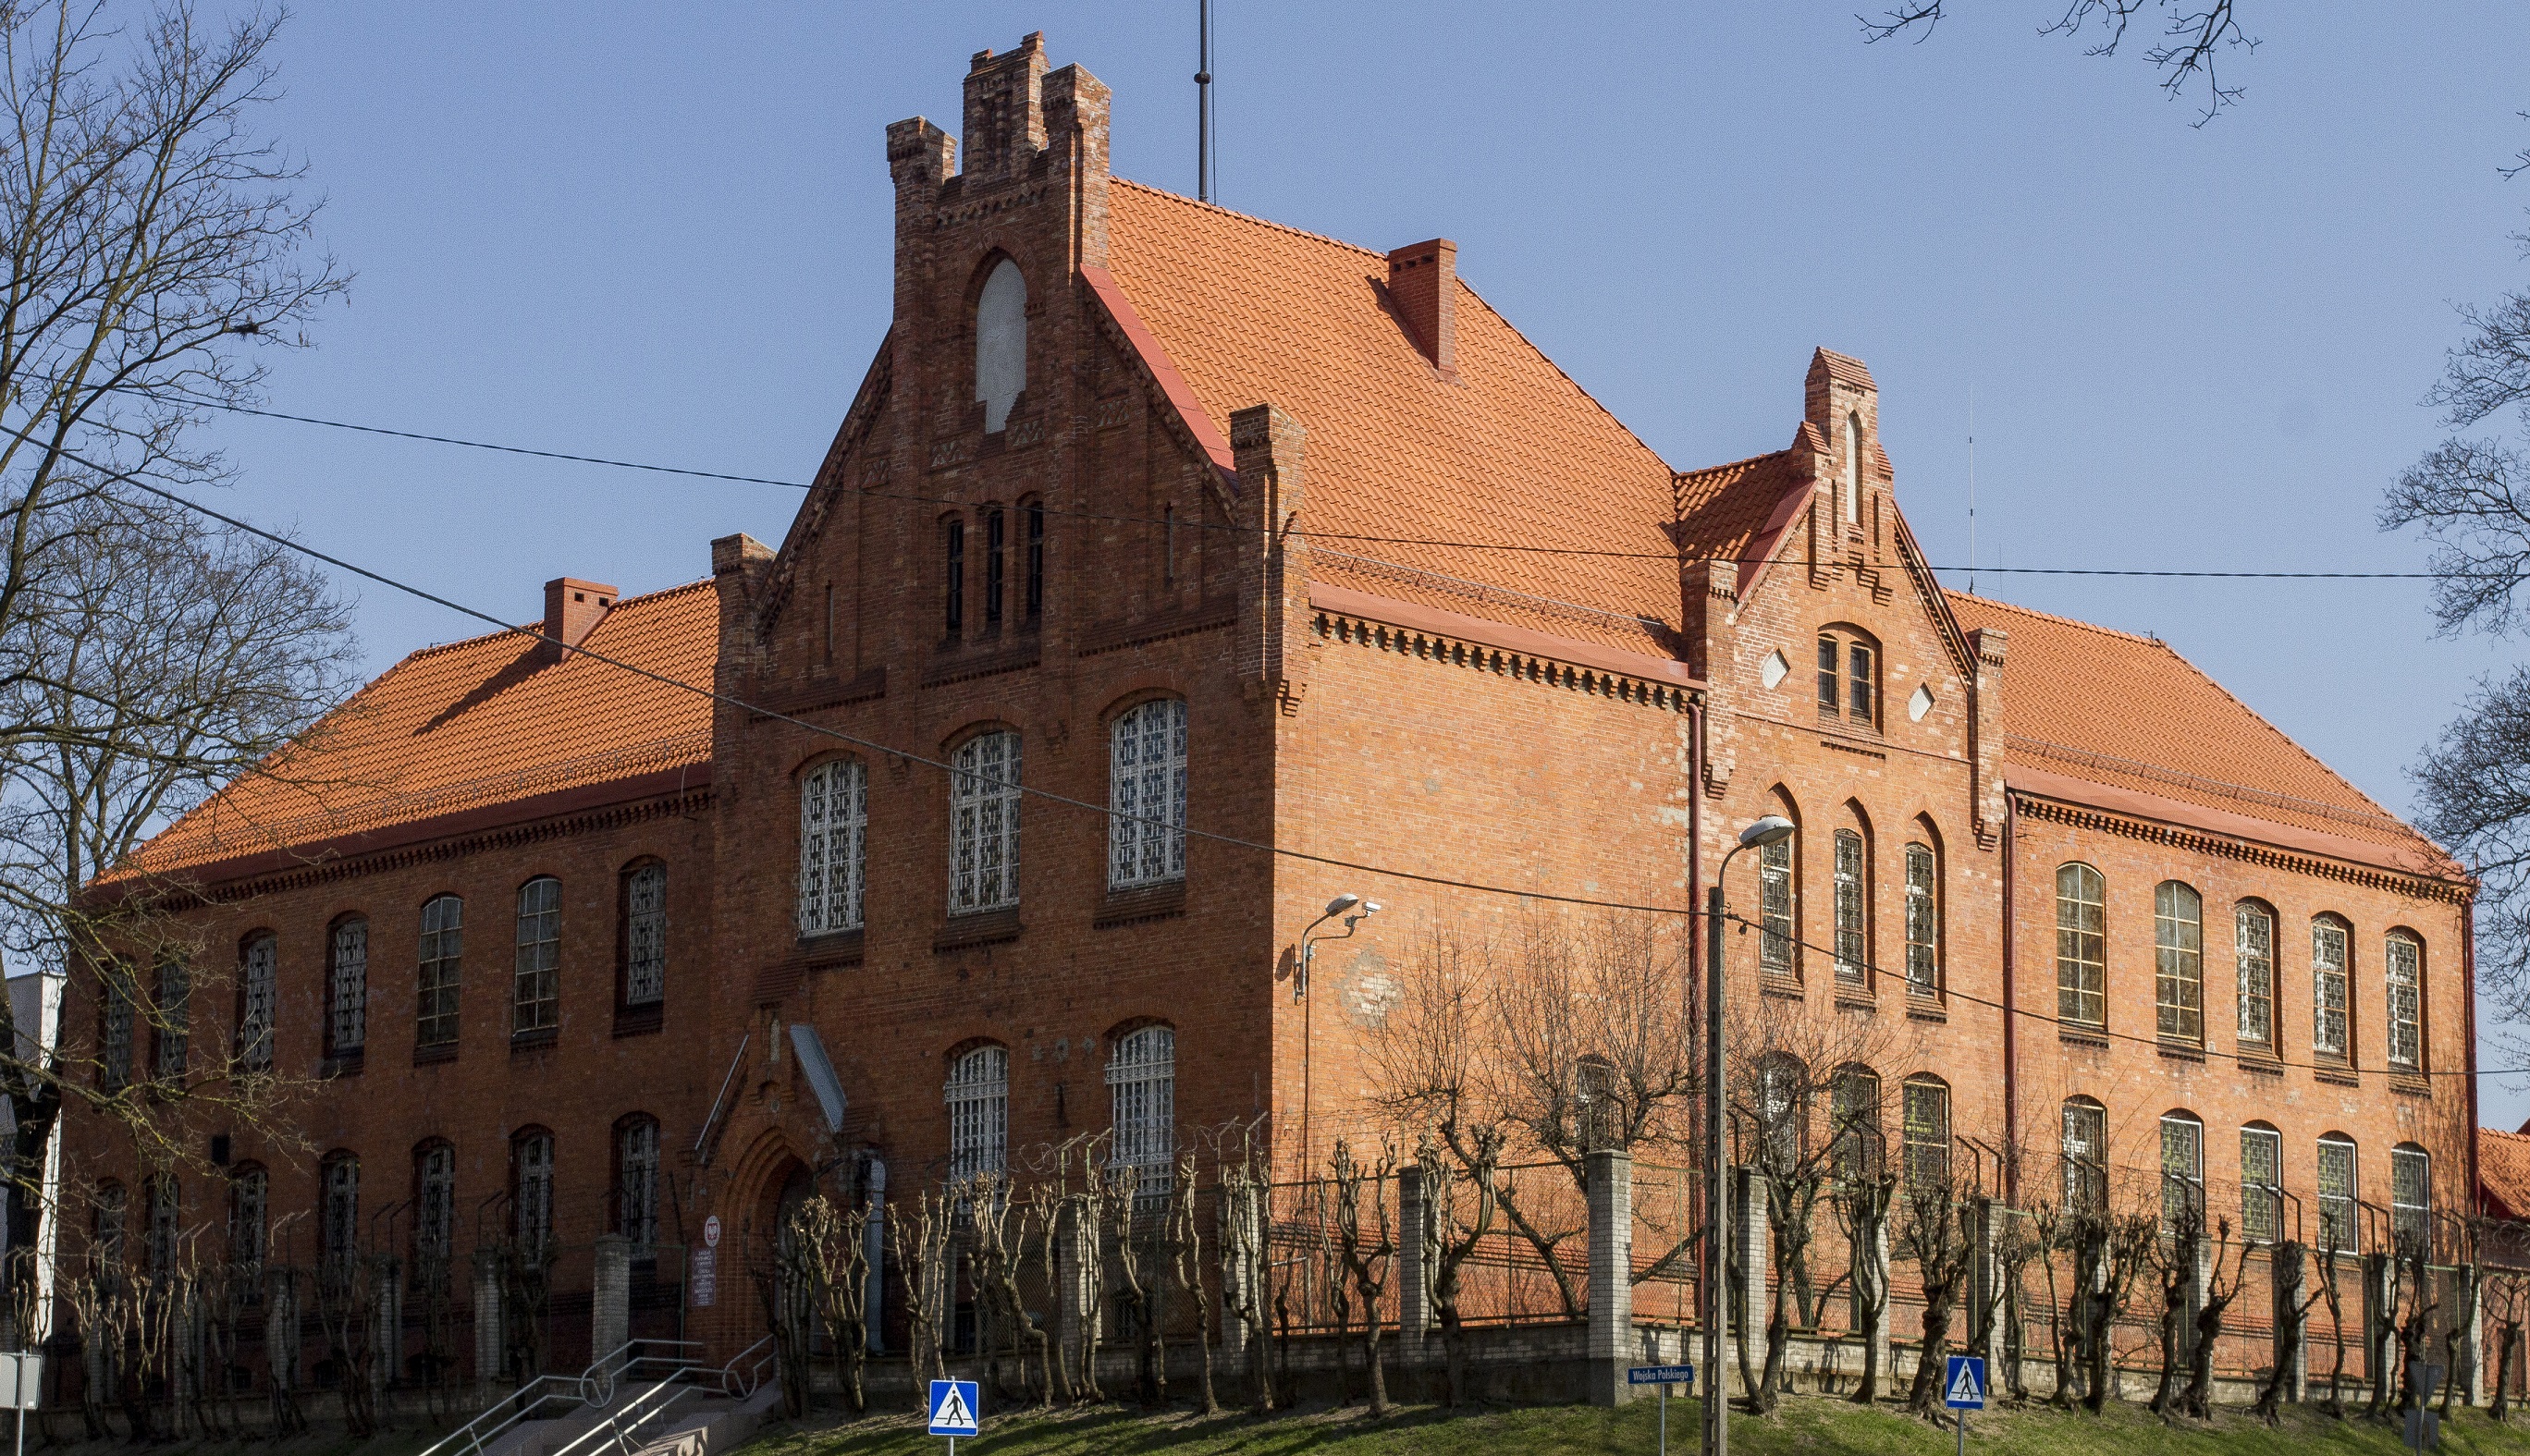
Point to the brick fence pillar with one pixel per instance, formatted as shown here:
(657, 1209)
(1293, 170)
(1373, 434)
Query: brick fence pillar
(610, 1307)
(487, 1321)
(874, 1248)
(1414, 1258)
(1751, 1250)
(1611, 1177)
(2288, 1271)
(1075, 1284)
(1985, 1287)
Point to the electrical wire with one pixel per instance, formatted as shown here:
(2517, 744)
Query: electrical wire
(1308, 535)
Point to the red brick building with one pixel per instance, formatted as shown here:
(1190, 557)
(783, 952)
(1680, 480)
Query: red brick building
(1261, 539)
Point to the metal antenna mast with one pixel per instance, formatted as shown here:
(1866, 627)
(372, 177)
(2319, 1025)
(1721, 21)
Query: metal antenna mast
(1203, 102)
(1971, 484)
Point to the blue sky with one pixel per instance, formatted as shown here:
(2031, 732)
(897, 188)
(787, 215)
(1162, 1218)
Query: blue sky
(662, 233)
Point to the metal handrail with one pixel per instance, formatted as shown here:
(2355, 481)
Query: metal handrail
(622, 1426)
(744, 1374)
(594, 1385)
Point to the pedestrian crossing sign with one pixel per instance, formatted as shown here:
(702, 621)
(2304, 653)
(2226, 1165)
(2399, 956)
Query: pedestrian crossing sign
(1964, 1384)
(955, 1411)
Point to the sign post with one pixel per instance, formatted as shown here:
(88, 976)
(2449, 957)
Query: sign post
(1963, 1390)
(955, 1411)
(1663, 1376)
(703, 1279)
(21, 1380)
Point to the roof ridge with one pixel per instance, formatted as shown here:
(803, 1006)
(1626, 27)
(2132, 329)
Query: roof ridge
(2314, 759)
(1745, 459)
(1249, 217)
(436, 648)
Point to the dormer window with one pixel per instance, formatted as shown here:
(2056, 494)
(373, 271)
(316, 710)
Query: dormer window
(1001, 342)
(1847, 676)
(1852, 467)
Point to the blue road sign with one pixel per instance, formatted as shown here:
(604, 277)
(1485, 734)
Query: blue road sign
(1964, 1384)
(954, 1409)
(1660, 1375)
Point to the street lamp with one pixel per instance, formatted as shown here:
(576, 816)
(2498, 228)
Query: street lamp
(1300, 989)
(1774, 829)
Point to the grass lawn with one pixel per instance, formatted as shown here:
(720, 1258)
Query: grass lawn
(1806, 1425)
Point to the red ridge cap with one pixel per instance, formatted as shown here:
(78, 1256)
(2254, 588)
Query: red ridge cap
(1155, 357)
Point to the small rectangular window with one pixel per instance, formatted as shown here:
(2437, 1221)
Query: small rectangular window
(1858, 671)
(1830, 678)
(1035, 559)
(114, 1031)
(993, 550)
(1927, 1115)
(956, 582)
(347, 1027)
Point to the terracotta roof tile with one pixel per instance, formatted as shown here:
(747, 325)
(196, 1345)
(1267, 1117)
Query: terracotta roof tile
(1724, 509)
(2503, 1173)
(470, 724)
(1510, 453)
(2129, 712)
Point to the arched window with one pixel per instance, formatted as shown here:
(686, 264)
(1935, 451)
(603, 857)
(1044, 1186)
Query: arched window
(2253, 947)
(170, 1029)
(347, 989)
(2081, 945)
(114, 1018)
(1146, 791)
(165, 1205)
(1775, 907)
(1848, 676)
(984, 823)
(2182, 1172)
(532, 1187)
(434, 1212)
(107, 1240)
(1001, 342)
(443, 956)
(1923, 921)
(834, 822)
(2402, 961)
(1142, 1082)
(2339, 1190)
(535, 996)
(1852, 491)
(339, 1226)
(2086, 1155)
(259, 960)
(2179, 961)
(644, 889)
(636, 1181)
(2331, 1029)
(1783, 1112)
(1853, 909)
(2262, 1183)
(979, 1112)
(249, 1199)
(2412, 1194)
(1927, 1114)
(1859, 1141)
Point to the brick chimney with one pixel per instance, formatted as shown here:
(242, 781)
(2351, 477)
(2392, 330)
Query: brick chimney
(1423, 284)
(573, 609)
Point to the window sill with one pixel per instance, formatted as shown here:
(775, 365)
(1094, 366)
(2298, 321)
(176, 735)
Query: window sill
(534, 1041)
(1142, 902)
(1921, 1007)
(2414, 1084)
(2083, 1036)
(985, 929)
(342, 1064)
(2339, 1076)
(2261, 1063)
(841, 947)
(423, 1056)
(2182, 1052)
(1781, 983)
(1847, 1000)
(641, 1021)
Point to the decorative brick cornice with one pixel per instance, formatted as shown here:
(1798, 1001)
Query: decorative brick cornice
(2248, 851)
(1458, 652)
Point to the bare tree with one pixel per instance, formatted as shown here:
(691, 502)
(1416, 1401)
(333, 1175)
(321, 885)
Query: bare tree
(2507, 1298)
(1461, 1207)
(2195, 34)
(1366, 1253)
(1933, 1232)
(2294, 1319)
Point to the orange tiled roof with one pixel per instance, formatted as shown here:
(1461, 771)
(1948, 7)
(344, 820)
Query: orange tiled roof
(2131, 713)
(1726, 511)
(471, 723)
(2503, 1173)
(1512, 452)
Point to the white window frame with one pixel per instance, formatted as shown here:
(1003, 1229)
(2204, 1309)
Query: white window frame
(834, 833)
(1141, 1083)
(2402, 959)
(978, 1098)
(2413, 1214)
(535, 982)
(2337, 1209)
(2179, 961)
(2331, 976)
(2253, 949)
(645, 935)
(1923, 921)
(1852, 908)
(1776, 906)
(984, 823)
(443, 959)
(1146, 780)
(2084, 1001)
(2085, 1154)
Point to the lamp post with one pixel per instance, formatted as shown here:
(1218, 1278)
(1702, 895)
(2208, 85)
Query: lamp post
(1774, 829)
(1300, 989)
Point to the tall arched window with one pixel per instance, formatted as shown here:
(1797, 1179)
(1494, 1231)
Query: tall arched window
(636, 1181)
(347, 989)
(2331, 1029)
(532, 1187)
(443, 956)
(2081, 945)
(115, 1015)
(979, 1112)
(1775, 906)
(1856, 1109)
(2253, 949)
(171, 1030)
(259, 961)
(165, 1205)
(1923, 921)
(2179, 961)
(1927, 1115)
(2339, 1189)
(984, 823)
(107, 1243)
(2262, 1183)
(2086, 1155)
(1783, 1112)
(250, 1198)
(1142, 1083)
(834, 822)
(535, 1000)
(1147, 788)
(644, 889)
(339, 1226)
(1853, 909)
(2412, 1194)
(434, 1212)
(1001, 342)
(2182, 1172)
(1852, 491)
(2402, 962)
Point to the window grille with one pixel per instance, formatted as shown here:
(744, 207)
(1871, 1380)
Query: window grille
(175, 1012)
(646, 936)
(1783, 1112)
(249, 1190)
(2182, 1173)
(342, 1214)
(443, 947)
(2086, 1155)
(1775, 905)
(348, 1021)
(984, 823)
(2253, 938)
(2262, 1192)
(979, 1109)
(1927, 1116)
(1923, 923)
(2337, 1192)
(636, 1190)
(532, 1155)
(2081, 945)
(834, 822)
(1142, 1080)
(536, 983)
(114, 1033)
(2329, 1030)
(164, 1203)
(1856, 1108)
(1146, 782)
(1852, 953)
(2411, 1196)
(2179, 961)
(2404, 962)
(257, 970)
(434, 1213)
